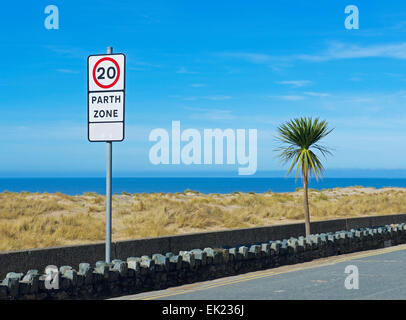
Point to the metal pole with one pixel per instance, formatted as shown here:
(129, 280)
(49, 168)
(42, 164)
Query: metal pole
(109, 151)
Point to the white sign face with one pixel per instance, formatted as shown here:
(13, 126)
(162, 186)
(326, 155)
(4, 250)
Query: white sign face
(108, 131)
(106, 106)
(106, 72)
(106, 95)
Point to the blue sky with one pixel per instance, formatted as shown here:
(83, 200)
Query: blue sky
(210, 64)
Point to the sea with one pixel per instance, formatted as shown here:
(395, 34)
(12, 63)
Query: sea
(77, 186)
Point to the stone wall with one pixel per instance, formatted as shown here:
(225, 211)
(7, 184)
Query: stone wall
(21, 261)
(159, 271)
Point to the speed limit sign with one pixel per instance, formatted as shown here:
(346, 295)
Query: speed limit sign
(105, 115)
(106, 72)
(106, 93)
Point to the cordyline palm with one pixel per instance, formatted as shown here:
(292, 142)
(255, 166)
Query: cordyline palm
(297, 138)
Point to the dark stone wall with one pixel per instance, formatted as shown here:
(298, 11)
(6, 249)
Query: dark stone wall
(160, 271)
(21, 261)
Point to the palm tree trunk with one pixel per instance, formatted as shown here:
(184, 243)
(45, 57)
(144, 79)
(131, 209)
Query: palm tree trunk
(306, 206)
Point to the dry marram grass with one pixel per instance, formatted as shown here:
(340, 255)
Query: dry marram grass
(34, 220)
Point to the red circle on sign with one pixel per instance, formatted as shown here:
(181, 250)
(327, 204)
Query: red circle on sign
(94, 73)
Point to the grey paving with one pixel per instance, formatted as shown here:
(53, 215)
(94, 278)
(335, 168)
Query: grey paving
(380, 277)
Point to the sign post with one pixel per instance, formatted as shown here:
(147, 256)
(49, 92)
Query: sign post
(109, 184)
(105, 102)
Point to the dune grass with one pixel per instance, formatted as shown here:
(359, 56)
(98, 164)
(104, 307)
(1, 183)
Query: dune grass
(33, 220)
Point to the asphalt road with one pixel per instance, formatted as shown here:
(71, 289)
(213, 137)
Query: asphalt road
(382, 275)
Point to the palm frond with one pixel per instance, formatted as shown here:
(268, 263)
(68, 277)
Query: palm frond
(297, 137)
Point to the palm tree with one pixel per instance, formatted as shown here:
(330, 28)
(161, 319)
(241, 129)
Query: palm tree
(297, 138)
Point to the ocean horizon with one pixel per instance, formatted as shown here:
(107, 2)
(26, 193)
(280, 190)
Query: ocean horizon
(76, 186)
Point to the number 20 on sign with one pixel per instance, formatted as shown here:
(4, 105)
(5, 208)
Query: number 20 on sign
(106, 94)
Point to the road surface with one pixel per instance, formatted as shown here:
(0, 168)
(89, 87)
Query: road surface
(382, 275)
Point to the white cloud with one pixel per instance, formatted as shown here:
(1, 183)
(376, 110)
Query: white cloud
(217, 98)
(193, 98)
(356, 79)
(317, 94)
(210, 114)
(296, 83)
(338, 50)
(250, 57)
(360, 99)
(289, 97)
(70, 52)
(183, 70)
(142, 66)
(334, 51)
